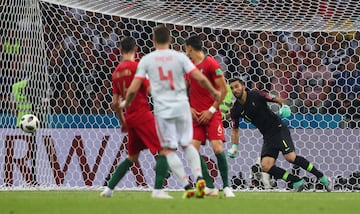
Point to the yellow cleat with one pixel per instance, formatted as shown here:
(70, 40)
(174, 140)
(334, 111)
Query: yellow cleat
(189, 193)
(200, 188)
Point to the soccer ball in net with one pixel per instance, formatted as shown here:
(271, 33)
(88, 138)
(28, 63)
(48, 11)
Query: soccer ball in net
(29, 123)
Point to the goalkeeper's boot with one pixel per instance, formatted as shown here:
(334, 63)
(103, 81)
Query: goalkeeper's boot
(228, 193)
(326, 182)
(299, 185)
(232, 153)
(160, 194)
(200, 188)
(213, 192)
(107, 193)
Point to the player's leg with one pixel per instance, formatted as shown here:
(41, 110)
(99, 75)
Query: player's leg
(288, 150)
(123, 167)
(268, 165)
(119, 173)
(161, 170)
(185, 133)
(199, 137)
(269, 154)
(166, 131)
(193, 158)
(149, 138)
(217, 146)
(308, 166)
(215, 132)
(210, 189)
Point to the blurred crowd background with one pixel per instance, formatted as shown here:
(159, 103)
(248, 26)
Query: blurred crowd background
(315, 72)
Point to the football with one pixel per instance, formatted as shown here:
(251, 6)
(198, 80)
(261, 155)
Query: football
(29, 123)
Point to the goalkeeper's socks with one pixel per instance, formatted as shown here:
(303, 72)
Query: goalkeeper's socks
(280, 173)
(205, 172)
(161, 170)
(305, 164)
(223, 168)
(119, 173)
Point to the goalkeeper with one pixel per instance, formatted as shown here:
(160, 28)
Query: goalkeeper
(252, 106)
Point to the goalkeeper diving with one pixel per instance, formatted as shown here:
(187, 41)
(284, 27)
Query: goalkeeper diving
(252, 106)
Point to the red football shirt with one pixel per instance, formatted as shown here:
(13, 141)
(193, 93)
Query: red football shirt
(200, 98)
(139, 109)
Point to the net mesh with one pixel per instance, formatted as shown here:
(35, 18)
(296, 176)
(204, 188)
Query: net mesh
(304, 15)
(306, 52)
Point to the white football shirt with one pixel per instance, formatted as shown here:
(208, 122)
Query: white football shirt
(165, 70)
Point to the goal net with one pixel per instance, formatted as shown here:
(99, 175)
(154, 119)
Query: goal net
(305, 51)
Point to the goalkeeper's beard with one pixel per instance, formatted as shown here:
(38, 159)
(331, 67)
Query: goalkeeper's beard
(239, 95)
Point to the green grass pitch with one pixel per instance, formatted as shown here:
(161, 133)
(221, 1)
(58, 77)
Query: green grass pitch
(126, 202)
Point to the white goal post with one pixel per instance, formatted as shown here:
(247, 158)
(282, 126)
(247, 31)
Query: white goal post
(307, 52)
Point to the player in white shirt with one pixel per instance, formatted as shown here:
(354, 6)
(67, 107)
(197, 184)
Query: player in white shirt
(165, 69)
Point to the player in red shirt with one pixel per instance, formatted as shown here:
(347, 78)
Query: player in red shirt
(138, 121)
(207, 119)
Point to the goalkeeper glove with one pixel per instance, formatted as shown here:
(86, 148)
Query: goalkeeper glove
(233, 151)
(285, 111)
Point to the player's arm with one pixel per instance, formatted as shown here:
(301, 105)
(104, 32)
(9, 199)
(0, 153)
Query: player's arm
(221, 85)
(234, 142)
(131, 92)
(278, 100)
(138, 80)
(284, 110)
(204, 82)
(115, 105)
(207, 114)
(191, 70)
(187, 82)
(235, 135)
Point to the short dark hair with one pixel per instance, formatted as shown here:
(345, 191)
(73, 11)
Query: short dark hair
(127, 44)
(195, 42)
(161, 34)
(234, 79)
